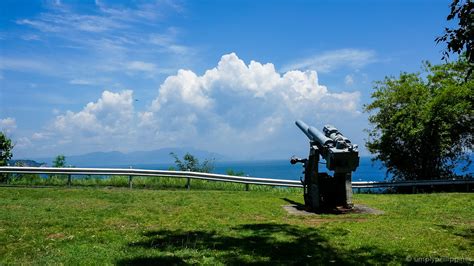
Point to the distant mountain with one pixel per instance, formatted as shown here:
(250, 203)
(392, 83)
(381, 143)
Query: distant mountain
(25, 163)
(115, 158)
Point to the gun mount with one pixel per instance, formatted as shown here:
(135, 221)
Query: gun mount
(323, 192)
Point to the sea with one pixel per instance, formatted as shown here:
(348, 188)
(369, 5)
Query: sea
(368, 169)
(277, 169)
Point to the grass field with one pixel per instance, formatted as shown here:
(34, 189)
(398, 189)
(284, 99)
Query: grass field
(121, 226)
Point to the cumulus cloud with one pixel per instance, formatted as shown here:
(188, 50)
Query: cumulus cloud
(239, 103)
(106, 124)
(331, 60)
(109, 115)
(7, 124)
(234, 108)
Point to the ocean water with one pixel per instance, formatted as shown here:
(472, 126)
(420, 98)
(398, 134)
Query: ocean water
(282, 169)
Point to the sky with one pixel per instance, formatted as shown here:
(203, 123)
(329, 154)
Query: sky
(229, 77)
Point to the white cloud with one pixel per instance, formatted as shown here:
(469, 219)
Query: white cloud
(234, 108)
(349, 80)
(240, 103)
(150, 11)
(142, 67)
(7, 124)
(109, 115)
(23, 143)
(81, 82)
(331, 60)
(24, 65)
(168, 42)
(40, 25)
(63, 20)
(31, 37)
(113, 38)
(40, 135)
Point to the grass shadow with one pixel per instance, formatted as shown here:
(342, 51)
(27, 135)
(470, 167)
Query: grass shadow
(466, 233)
(254, 244)
(298, 206)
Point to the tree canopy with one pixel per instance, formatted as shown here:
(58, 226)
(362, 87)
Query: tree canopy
(191, 163)
(423, 124)
(59, 161)
(461, 39)
(6, 147)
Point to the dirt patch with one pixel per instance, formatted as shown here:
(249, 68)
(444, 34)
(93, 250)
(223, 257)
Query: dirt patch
(315, 221)
(364, 209)
(357, 209)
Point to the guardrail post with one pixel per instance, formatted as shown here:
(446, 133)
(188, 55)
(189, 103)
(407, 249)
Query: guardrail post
(69, 181)
(188, 182)
(130, 185)
(247, 187)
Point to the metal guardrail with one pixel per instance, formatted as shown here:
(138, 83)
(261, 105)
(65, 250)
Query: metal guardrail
(384, 184)
(142, 172)
(218, 177)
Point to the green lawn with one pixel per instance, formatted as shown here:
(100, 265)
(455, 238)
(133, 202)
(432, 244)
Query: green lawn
(121, 226)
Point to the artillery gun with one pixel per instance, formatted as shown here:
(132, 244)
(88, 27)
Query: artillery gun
(323, 192)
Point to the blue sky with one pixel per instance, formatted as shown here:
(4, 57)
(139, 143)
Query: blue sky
(224, 76)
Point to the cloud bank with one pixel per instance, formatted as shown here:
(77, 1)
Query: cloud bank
(235, 108)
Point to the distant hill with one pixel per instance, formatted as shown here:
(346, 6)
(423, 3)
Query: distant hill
(25, 163)
(115, 158)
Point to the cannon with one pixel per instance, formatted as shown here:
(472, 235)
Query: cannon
(323, 192)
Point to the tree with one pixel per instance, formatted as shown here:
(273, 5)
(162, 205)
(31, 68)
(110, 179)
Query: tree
(423, 127)
(234, 173)
(6, 147)
(461, 39)
(191, 163)
(59, 161)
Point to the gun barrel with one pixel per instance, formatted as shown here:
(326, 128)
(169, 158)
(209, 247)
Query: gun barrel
(304, 127)
(313, 134)
(319, 136)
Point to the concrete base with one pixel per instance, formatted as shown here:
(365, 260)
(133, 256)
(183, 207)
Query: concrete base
(358, 209)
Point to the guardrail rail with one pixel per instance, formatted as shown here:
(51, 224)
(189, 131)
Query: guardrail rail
(218, 177)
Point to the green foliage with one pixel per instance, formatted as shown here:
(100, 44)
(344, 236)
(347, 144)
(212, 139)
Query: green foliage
(461, 39)
(235, 173)
(59, 161)
(191, 163)
(25, 179)
(6, 147)
(128, 227)
(423, 127)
